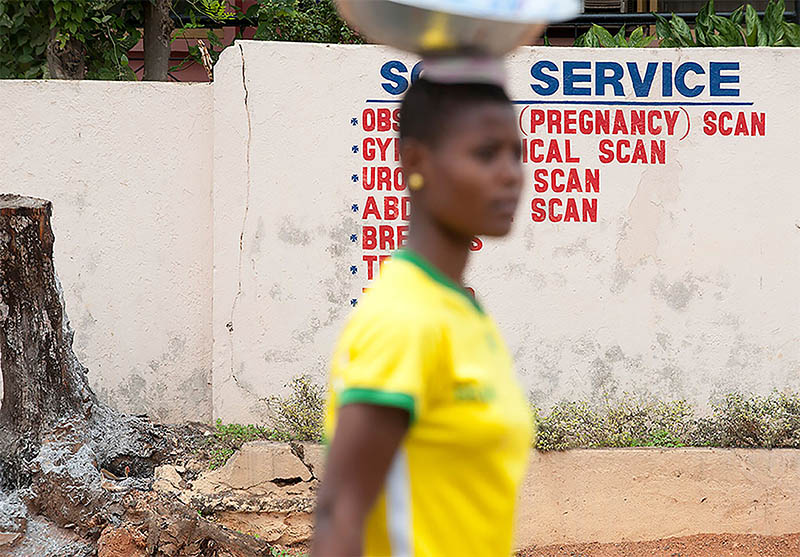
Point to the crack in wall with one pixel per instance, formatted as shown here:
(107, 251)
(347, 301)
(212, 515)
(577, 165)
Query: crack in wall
(299, 451)
(238, 295)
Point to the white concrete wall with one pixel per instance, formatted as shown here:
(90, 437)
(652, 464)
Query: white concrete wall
(685, 286)
(128, 169)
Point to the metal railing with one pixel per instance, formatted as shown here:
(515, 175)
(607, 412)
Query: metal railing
(645, 18)
(584, 21)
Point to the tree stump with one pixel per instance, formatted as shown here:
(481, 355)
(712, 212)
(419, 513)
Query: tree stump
(42, 378)
(69, 457)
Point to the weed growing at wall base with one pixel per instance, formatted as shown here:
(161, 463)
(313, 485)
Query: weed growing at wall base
(736, 420)
(296, 417)
(299, 415)
(229, 438)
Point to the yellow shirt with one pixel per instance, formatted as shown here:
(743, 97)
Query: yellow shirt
(418, 341)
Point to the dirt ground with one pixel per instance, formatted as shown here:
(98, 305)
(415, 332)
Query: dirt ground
(704, 545)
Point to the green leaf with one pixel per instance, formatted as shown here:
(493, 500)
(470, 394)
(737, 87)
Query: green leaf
(773, 21)
(603, 36)
(752, 25)
(792, 32)
(704, 19)
(636, 36)
(729, 31)
(214, 39)
(663, 28)
(702, 36)
(619, 38)
(737, 17)
(252, 11)
(682, 31)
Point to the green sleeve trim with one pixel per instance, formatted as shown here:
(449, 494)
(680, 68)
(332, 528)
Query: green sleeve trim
(379, 398)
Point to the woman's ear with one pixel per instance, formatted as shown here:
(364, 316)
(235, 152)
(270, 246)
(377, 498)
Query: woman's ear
(412, 155)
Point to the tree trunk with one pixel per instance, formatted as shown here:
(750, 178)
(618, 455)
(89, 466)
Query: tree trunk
(68, 62)
(157, 39)
(42, 378)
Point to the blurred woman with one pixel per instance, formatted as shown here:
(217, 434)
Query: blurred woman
(429, 431)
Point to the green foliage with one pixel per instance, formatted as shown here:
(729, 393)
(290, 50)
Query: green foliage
(221, 13)
(627, 422)
(742, 28)
(598, 36)
(300, 414)
(218, 10)
(104, 29)
(275, 20)
(229, 438)
(752, 421)
(735, 421)
(24, 30)
(315, 21)
(569, 425)
(297, 417)
(276, 552)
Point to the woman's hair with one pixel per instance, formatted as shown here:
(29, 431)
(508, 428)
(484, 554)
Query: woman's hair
(428, 106)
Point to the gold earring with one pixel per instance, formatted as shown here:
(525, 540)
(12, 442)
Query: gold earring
(415, 181)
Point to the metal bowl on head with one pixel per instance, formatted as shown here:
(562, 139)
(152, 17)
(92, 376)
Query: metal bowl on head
(488, 27)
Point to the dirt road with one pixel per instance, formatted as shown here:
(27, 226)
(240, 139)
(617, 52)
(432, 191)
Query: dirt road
(704, 545)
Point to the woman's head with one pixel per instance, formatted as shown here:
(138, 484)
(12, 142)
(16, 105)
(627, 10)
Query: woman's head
(463, 141)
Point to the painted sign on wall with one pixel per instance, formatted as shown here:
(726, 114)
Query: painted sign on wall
(654, 251)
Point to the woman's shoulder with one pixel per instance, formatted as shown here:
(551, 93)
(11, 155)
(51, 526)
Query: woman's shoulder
(399, 294)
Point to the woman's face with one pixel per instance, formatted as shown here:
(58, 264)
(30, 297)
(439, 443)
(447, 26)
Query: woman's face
(473, 174)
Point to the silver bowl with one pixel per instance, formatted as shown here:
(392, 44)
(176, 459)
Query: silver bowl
(492, 27)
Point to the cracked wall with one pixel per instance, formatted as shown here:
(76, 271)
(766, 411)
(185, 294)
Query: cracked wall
(683, 288)
(128, 169)
(169, 196)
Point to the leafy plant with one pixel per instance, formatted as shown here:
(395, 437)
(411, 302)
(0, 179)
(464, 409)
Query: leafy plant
(569, 425)
(315, 21)
(598, 36)
(102, 30)
(229, 438)
(742, 28)
(297, 417)
(736, 420)
(300, 414)
(217, 10)
(277, 552)
(275, 20)
(752, 421)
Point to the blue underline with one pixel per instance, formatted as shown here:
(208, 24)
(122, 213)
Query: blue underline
(609, 103)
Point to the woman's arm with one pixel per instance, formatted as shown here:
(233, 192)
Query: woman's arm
(364, 444)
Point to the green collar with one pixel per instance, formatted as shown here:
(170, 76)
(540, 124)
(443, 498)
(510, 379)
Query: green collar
(435, 274)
